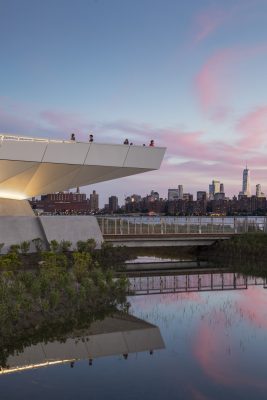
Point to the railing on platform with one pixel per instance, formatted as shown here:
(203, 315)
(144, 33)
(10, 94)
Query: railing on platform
(180, 225)
(197, 282)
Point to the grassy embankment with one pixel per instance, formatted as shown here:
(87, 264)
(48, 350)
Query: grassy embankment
(246, 253)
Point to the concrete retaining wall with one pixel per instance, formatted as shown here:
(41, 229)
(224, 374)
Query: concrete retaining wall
(16, 229)
(72, 228)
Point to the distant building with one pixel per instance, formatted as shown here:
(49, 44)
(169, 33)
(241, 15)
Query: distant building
(211, 192)
(180, 191)
(64, 197)
(219, 196)
(222, 188)
(214, 188)
(201, 195)
(188, 197)
(259, 193)
(113, 204)
(94, 201)
(134, 198)
(63, 202)
(173, 194)
(246, 183)
(153, 196)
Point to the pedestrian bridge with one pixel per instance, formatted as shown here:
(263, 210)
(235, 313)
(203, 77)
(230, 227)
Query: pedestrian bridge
(175, 231)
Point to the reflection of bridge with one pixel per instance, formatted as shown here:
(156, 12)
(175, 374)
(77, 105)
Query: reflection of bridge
(175, 231)
(194, 282)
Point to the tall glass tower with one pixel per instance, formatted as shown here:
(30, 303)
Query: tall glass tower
(246, 182)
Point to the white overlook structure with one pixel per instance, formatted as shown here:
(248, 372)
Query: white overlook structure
(33, 166)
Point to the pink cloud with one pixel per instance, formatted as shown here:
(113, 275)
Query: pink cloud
(208, 82)
(253, 128)
(207, 22)
(66, 122)
(213, 84)
(191, 156)
(253, 307)
(211, 349)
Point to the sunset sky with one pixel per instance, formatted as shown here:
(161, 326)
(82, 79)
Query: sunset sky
(189, 74)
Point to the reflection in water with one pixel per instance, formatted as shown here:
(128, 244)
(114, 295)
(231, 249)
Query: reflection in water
(119, 334)
(215, 338)
(218, 338)
(191, 282)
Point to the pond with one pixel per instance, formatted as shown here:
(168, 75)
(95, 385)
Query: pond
(208, 342)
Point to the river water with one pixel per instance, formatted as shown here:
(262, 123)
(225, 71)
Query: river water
(210, 344)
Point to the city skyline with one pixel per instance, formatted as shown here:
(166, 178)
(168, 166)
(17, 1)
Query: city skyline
(182, 78)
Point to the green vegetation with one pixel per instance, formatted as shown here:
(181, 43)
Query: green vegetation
(18, 255)
(243, 253)
(60, 289)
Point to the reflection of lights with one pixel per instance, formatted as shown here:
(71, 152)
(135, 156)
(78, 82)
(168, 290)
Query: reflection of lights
(32, 366)
(12, 195)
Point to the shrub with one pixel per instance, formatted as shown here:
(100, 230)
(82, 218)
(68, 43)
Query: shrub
(54, 260)
(14, 248)
(65, 246)
(86, 246)
(25, 246)
(54, 246)
(39, 244)
(1, 247)
(10, 261)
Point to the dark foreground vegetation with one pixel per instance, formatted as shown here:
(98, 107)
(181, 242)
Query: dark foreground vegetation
(62, 291)
(245, 253)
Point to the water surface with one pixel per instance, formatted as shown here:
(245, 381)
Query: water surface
(215, 348)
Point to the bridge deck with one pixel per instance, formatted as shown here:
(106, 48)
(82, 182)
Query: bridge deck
(166, 240)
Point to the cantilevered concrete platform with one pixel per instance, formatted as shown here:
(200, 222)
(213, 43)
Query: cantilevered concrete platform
(33, 166)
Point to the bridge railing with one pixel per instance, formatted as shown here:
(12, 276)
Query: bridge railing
(180, 225)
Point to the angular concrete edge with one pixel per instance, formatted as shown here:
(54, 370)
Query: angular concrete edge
(15, 208)
(16, 229)
(72, 228)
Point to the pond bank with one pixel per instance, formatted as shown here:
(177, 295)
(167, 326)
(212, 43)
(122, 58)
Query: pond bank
(244, 253)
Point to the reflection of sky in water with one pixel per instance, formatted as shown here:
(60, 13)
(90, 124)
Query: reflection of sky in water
(215, 349)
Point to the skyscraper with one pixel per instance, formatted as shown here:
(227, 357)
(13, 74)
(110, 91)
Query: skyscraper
(221, 188)
(180, 191)
(94, 201)
(259, 193)
(113, 204)
(246, 183)
(214, 188)
(173, 194)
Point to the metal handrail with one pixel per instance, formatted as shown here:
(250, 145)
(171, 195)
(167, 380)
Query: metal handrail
(131, 226)
(31, 139)
(6, 136)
